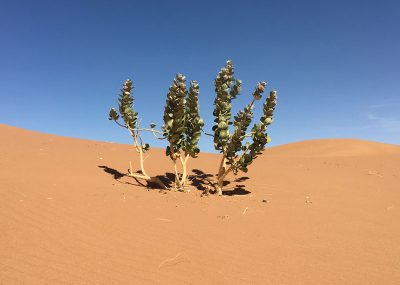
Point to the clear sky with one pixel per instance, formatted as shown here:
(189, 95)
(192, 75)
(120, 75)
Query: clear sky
(335, 64)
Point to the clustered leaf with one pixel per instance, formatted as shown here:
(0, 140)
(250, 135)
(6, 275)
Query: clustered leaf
(259, 134)
(193, 122)
(260, 88)
(237, 154)
(113, 115)
(125, 106)
(145, 147)
(182, 122)
(174, 115)
(241, 122)
(226, 88)
(126, 111)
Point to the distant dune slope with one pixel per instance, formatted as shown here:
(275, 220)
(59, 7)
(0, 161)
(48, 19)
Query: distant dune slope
(335, 148)
(312, 212)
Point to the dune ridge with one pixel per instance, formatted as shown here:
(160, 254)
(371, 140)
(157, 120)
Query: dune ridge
(312, 212)
(334, 148)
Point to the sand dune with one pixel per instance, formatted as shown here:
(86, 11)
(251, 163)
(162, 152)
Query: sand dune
(313, 212)
(335, 148)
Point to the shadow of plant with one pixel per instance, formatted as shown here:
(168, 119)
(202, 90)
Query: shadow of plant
(117, 175)
(202, 181)
(241, 179)
(238, 190)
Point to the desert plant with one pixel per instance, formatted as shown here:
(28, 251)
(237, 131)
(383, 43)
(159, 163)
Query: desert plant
(182, 125)
(237, 153)
(131, 123)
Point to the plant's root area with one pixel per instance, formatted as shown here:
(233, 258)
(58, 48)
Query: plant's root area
(157, 181)
(218, 191)
(212, 189)
(184, 188)
(207, 191)
(154, 180)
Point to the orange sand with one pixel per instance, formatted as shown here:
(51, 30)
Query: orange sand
(331, 215)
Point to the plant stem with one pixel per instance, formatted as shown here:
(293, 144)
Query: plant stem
(184, 169)
(144, 175)
(140, 149)
(149, 130)
(154, 132)
(220, 183)
(155, 180)
(222, 171)
(177, 180)
(221, 168)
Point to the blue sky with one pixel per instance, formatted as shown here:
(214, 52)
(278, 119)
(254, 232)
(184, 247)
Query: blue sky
(335, 64)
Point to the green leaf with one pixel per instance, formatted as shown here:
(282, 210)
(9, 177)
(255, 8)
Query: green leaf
(222, 125)
(113, 115)
(223, 134)
(146, 147)
(244, 169)
(169, 123)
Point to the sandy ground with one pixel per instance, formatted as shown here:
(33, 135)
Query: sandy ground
(314, 212)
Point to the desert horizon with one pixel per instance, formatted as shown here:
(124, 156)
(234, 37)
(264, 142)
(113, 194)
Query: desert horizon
(205, 151)
(312, 212)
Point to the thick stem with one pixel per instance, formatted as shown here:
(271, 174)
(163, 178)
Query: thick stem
(220, 183)
(221, 171)
(184, 169)
(140, 149)
(226, 173)
(222, 164)
(175, 156)
(177, 180)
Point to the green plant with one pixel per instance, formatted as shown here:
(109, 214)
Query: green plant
(237, 154)
(130, 122)
(182, 125)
